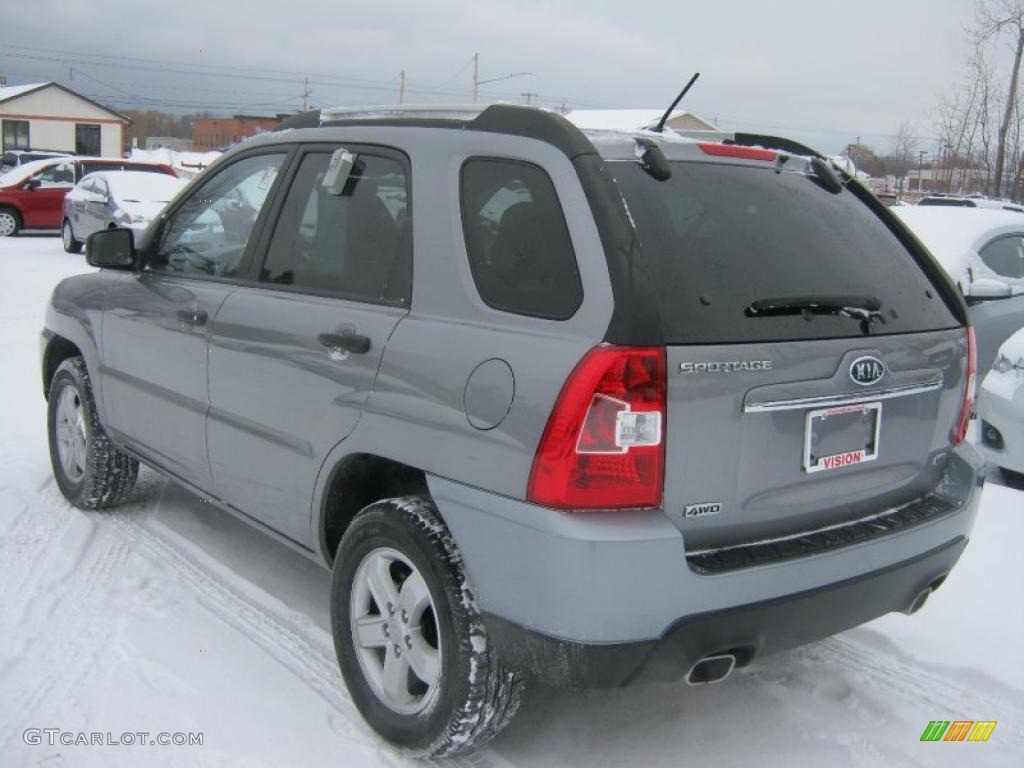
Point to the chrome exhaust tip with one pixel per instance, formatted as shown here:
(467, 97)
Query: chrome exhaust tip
(711, 669)
(919, 601)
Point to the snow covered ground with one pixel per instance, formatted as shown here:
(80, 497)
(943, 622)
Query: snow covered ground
(169, 616)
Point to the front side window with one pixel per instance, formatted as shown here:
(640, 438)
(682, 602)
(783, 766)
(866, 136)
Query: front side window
(15, 135)
(209, 232)
(1005, 256)
(356, 244)
(518, 243)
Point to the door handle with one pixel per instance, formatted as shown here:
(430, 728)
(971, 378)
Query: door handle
(350, 342)
(193, 316)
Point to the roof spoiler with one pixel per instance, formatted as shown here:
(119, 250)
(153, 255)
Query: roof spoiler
(774, 142)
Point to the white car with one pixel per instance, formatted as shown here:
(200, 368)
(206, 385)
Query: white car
(983, 251)
(1001, 407)
(114, 199)
(973, 245)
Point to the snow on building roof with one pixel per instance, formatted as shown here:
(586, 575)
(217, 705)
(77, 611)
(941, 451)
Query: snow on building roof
(10, 91)
(14, 91)
(626, 119)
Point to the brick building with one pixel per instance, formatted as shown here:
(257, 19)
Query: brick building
(220, 132)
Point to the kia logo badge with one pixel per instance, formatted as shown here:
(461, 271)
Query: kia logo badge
(866, 370)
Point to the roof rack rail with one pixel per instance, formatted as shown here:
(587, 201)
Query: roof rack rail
(420, 111)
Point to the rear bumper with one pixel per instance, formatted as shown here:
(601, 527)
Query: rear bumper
(746, 631)
(585, 589)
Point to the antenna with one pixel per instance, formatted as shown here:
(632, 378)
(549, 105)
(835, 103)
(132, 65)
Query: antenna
(664, 118)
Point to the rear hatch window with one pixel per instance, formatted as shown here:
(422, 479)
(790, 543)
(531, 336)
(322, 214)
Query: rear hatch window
(719, 237)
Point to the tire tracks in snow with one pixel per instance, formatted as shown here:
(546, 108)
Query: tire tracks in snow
(69, 641)
(290, 638)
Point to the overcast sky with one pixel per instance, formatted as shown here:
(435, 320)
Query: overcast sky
(819, 70)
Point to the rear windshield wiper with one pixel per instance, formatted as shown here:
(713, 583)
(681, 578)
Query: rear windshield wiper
(866, 309)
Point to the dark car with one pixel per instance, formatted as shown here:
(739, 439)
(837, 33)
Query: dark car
(32, 195)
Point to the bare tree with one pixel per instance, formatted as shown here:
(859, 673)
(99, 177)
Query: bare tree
(1003, 21)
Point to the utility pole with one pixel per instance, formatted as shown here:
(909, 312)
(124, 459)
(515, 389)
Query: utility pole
(401, 87)
(920, 168)
(528, 98)
(305, 93)
(476, 75)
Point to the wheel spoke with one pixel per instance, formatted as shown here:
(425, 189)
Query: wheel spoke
(370, 632)
(395, 680)
(424, 660)
(414, 597)
(382, 586)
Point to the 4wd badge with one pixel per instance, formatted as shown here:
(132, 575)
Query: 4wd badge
(703, 509)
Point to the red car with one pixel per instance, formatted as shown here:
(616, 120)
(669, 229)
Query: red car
(32, 195)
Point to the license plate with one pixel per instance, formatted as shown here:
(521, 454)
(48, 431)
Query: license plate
(844, 436)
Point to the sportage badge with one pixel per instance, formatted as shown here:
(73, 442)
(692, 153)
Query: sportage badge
(866, 370)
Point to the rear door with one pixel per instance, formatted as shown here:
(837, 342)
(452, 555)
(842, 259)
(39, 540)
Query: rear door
(785, 416)
(294, 359)
(156, 329)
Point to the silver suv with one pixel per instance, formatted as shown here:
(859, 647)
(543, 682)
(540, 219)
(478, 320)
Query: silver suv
(594, 409)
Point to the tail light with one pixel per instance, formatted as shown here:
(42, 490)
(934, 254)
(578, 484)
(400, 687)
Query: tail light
(604, 446)
(972, 379)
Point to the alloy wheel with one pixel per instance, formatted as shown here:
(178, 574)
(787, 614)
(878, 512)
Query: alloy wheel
(395, 631)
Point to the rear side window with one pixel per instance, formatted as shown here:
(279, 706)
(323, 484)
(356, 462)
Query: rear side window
(518, 243)
(718, 237)
(1005, 256)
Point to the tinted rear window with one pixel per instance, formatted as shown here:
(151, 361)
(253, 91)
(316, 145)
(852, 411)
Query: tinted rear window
(518, 243)
(947, 202)
(116, 166)
(719, 237)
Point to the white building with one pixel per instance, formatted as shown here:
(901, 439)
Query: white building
(635, 119)
(50, 116)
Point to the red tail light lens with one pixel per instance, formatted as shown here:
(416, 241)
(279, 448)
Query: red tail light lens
(604, 445)
(732, 150)
(972, 380)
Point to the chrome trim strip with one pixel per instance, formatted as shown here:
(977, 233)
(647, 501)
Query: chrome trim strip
(853, 398)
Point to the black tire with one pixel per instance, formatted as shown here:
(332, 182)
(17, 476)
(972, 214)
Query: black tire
(476, 694)
(10, 221)
(108, 475)
(67, 236)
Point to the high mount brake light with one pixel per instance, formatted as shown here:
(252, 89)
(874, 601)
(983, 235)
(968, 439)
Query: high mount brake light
(604, 444)
(732, 150)
(970, 386)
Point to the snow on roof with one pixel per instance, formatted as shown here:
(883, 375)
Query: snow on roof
(25, 170)
(141, 186)
(954, 234)
(620, 119)
(10, 91)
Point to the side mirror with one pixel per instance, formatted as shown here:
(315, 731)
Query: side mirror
(987, 288)
(111, 249)
(32, 184)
